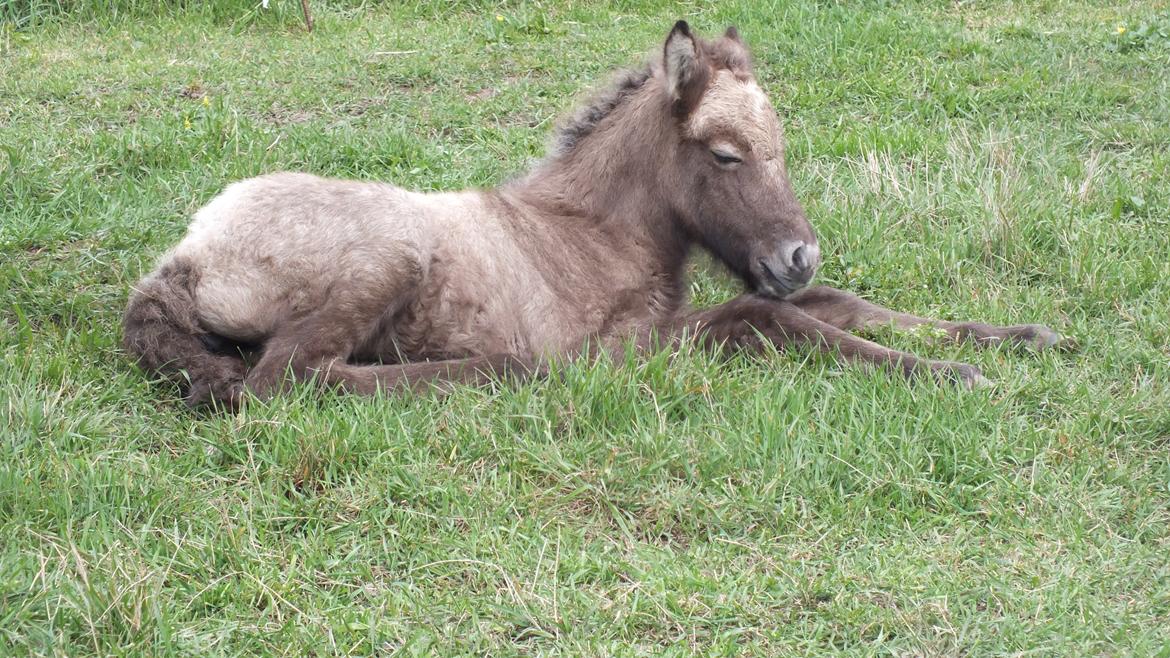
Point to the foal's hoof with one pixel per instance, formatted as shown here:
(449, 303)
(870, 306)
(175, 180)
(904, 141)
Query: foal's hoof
(1038, 337)
(977, 381)
(221, 395)
(963, 374)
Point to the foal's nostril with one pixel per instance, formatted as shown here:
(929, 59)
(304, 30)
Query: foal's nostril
(791, 266)
(798, 257)
(800, 260)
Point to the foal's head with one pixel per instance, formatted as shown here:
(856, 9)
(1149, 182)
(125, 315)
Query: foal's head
(727, 180)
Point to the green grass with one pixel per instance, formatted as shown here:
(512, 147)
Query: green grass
(990, 160)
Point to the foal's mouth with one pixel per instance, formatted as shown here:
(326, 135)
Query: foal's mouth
(775, 284)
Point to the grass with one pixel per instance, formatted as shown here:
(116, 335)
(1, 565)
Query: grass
(991, 160)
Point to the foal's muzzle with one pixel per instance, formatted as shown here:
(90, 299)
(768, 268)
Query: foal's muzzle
(788, 269)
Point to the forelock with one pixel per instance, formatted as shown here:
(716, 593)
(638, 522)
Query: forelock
(734, 107)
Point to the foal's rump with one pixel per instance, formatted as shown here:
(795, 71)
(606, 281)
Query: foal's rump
(258, 256)
(275, 247)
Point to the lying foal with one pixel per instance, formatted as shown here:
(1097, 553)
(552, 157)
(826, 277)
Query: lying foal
(368, 287)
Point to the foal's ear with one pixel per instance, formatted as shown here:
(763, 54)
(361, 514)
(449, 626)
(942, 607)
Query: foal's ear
(733, 34)
(686, 74)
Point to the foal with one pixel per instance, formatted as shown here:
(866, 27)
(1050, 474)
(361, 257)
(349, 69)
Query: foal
(368, 287)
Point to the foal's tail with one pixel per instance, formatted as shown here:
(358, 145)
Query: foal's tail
(162, 331)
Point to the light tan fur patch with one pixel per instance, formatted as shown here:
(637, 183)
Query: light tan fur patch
(740, 111)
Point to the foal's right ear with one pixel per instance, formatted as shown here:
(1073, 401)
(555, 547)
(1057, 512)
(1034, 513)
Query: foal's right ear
(686, 74)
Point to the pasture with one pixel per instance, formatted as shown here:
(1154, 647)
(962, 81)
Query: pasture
(995, 161)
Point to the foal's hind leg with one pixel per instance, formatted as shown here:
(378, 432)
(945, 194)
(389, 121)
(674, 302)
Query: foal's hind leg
(848, 311)
(429, 375)
(319, 344)
(311, 360)
(325, 337)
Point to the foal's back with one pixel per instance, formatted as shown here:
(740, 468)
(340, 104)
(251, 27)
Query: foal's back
(444, 274)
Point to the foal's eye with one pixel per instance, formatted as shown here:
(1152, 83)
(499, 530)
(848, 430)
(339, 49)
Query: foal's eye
(725, 158)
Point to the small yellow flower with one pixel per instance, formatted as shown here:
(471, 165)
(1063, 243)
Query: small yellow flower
(499, 18)
(206, 101)
(186, 123)
(1121, 29)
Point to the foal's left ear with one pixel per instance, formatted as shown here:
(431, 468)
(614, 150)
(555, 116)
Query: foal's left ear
(686, 74)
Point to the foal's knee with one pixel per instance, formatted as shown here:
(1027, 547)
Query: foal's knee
(832, 306)
(815, 295)
(746, 322)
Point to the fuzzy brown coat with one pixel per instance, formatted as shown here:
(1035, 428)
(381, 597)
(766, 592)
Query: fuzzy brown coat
(369, 287)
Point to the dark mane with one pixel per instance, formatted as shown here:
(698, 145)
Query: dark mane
(584, 120)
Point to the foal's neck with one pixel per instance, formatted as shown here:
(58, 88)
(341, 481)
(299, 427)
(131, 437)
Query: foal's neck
(611, 178)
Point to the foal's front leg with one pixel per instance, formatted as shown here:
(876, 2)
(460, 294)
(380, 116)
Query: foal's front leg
(849, 312)
(747, 321)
